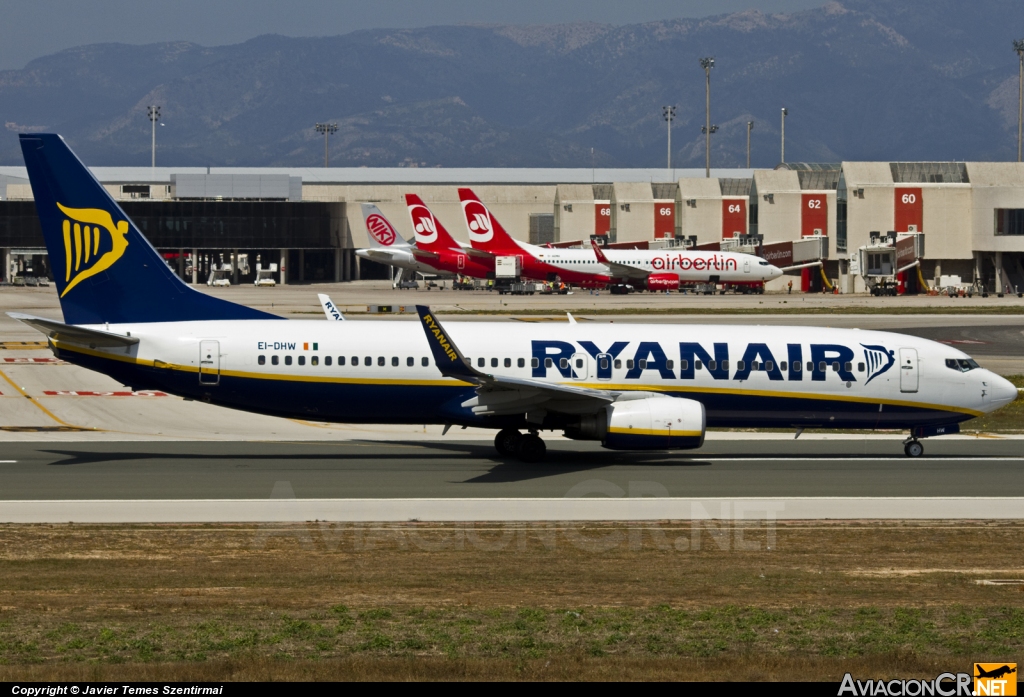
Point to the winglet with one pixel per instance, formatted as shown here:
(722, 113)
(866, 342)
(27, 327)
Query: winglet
(447, 357)
(330, 309)
(572, 320)
(599, 252)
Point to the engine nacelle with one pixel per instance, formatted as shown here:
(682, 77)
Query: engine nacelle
(652, 423)
(662, 281)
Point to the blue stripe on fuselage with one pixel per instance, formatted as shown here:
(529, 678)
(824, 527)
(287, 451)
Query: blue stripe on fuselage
(433, 404)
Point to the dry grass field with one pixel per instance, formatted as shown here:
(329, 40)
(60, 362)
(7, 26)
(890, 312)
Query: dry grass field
(422, 601)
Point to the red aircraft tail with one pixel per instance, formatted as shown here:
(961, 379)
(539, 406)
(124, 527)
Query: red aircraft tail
(430, 233)
(485, 232)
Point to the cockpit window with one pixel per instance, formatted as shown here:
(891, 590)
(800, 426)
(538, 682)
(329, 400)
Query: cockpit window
(962, 364)
(763, 263)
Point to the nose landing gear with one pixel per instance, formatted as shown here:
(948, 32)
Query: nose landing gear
(527, 447)
(913, 448)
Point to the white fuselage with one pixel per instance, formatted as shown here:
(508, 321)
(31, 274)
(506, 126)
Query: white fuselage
(688, 265)
(382, 371)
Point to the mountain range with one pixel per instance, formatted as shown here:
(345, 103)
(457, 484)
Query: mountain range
(861, 79)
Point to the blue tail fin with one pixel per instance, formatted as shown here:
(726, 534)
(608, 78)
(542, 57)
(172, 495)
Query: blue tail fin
(105, 270)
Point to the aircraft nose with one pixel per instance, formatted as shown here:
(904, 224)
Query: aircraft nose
(775, 272)
(1003, 391)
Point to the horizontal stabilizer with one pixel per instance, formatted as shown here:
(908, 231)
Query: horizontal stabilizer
(69, 333)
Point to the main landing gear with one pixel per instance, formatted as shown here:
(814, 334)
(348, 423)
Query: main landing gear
(913, 448)
(527, 447)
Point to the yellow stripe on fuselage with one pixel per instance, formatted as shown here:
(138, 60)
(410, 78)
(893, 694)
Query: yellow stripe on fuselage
(451, 383)
(653, 432)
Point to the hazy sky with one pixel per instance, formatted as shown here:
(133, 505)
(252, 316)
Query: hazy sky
(33, 28)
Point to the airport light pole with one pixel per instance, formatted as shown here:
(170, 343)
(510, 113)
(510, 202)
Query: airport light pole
(327, 129)
(707, 63)
(785, 112)
(1018, 46)
(153, 112)
(669, 113)
(750, 127)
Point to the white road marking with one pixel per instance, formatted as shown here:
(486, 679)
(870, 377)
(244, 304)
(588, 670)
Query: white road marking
(512, 509)
(840, 458)
(7, 462)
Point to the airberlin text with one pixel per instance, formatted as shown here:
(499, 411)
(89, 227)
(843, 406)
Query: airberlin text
(685, 262)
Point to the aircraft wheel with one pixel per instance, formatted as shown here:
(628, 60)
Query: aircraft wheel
(532, 448)
(913, 449)
(507, 441)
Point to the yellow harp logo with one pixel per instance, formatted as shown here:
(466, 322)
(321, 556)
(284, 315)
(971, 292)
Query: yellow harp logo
(84, 241)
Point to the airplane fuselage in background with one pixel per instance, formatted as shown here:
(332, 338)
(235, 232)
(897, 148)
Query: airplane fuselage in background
(382, 371)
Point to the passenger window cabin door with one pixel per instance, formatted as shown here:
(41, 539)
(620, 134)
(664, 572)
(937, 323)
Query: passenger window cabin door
(909, 378)
(580, 364)
(209, 362)
(604, 366)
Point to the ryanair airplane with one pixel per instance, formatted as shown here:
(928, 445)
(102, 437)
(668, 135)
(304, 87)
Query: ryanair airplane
(643, 387)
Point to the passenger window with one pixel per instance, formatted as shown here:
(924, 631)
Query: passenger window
(784, 365)
(683, 364)
(425, 362)
(579, 362)
(713, 365)
(563, 363)
(355, 360)
(629, 364)
(302, 360)
(534, 362)
(769, 366)
(810, 366)
(618, 363)
(410, 361)
(508, 362)
(797, 365)
(368, 360)
(669, 364)
(697, 365)
(604, 364)
(849, 366)
(643, 364)
(521, 362)
(262, 360)
(341, 360)
(754, 365)
(273, 360)
(394, 361)
(380, 360)
(327, 360)
(548, 362)
(481, 362)
(740, 365)
(835, 366)
(314, 360)
(287, 360)
(821, 366)
(494, 362)
(860, 367)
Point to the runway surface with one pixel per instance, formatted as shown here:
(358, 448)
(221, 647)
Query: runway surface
(453, 469)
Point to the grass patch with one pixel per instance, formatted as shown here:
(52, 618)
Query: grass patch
(209, 597)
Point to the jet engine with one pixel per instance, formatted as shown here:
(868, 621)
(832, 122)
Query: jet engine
(662, 281)
(651, 423)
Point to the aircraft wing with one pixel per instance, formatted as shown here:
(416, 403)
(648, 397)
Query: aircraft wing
(424, 254)
(69, 333)
(479, 253)
(619, 270)
(330, 309)
(496, 394)
(387, 257)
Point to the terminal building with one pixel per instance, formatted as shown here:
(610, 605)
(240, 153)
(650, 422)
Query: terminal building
(902, 226)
